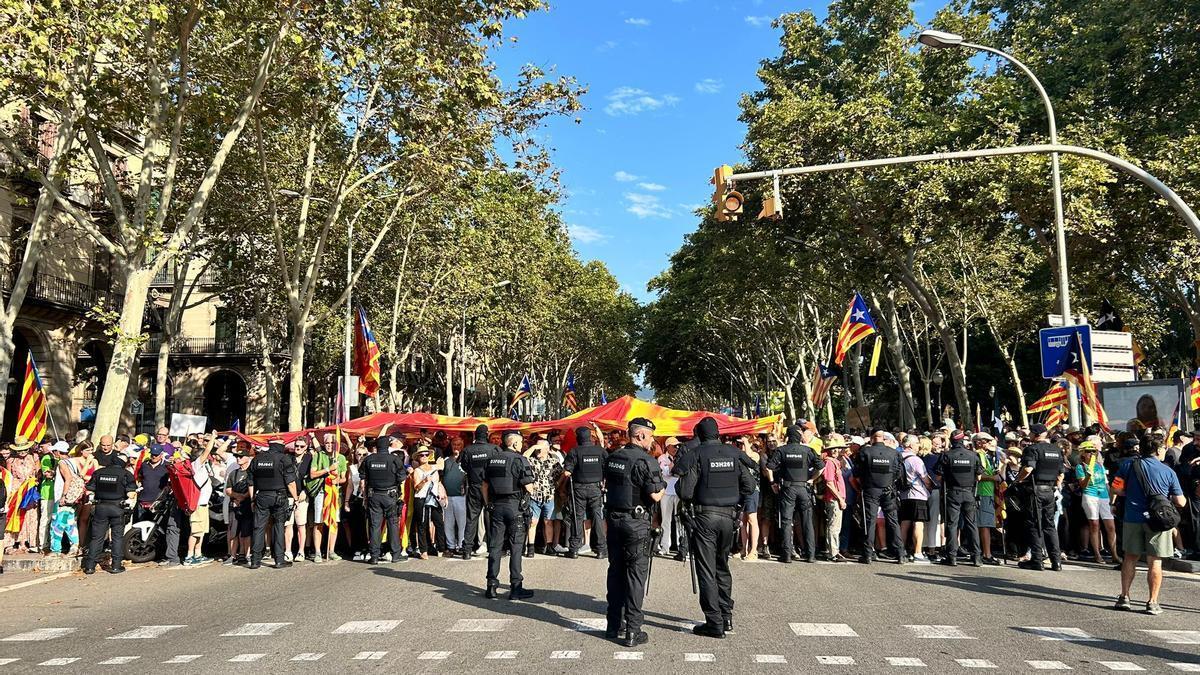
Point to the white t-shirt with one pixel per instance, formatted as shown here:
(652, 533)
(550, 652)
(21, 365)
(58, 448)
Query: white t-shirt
(203, 481)
(665, 464)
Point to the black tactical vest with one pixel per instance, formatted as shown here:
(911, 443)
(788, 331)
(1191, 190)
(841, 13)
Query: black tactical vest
(959, 468)
(589, 464)
(718, 485)
(380, 471)
(268, 472)
(879, 460)
(477, 455)
(1049, 464)
(794, 463)
(499, 477)
(618, 476)
(108, 483)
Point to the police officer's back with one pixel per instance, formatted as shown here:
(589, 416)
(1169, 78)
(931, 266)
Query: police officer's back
(634, 482)
(509, 478)
(114, 489)
(474, 461)
(1042, 463)
(791, 468)
(960, 469)
(875, 473)
(271, 479)
(584, 468)
(712, 481)
(382, 474)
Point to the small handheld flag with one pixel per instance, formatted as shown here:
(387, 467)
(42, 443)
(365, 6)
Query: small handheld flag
(31, 416)
(1056, 395)
(856, 326)
(569, 401)
(1194, 391)
(823, 378)
(523, 392)
(875, 356)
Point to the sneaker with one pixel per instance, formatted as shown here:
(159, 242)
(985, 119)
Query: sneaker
(1153, 608)
(387, 557)
(200, 560)
(229, 562)
(920, 559)
(287, 557)
(316, 560)
(333, 557)
(1123, 604)
(169, 563)
(584, 551)
(1178, 555)
(360, 556)
(189, 562)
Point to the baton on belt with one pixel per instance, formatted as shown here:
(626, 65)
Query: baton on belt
(654, 541)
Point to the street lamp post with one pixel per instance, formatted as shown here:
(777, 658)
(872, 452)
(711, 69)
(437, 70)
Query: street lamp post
(943, 40)
(938, 379)
(462, 375)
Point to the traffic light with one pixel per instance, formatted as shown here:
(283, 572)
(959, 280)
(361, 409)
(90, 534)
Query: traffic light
(728, 201)
(731, 206)
(772, 208)
(720, 181)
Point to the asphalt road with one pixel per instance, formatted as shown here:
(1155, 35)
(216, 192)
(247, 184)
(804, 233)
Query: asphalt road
(429, 616)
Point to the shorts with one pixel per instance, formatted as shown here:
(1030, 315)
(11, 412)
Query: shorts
(242, 523)
(750, 502)
(300, 514)
(1139, 539)
(914, 510)
(542, 510)
(318, 510)
(198, 520)
(985, 515)
(1097, 508)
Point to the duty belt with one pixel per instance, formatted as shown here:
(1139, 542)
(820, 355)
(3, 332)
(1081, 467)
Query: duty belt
(635, 512)
(730, 511)
(389, 491)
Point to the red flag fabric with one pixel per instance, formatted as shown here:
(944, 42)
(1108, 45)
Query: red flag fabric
(366, 356)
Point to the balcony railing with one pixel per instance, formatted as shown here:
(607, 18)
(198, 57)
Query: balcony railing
(166, 277)
(63, 292)
(196, 345)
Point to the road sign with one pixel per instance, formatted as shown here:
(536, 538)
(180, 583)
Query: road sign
(136, 408)
(1055, 345)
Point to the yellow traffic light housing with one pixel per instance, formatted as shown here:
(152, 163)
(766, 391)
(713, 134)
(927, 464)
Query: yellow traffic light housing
(720, 182)
(772, 208)
(731, 205)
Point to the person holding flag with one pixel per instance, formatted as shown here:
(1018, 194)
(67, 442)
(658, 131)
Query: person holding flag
(1093, 481)
(326, 477)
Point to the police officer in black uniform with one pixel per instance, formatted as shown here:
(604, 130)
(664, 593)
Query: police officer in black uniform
(1042, 462)
(583, 466)
(960, 470)
(634, 482)
(271, 479)
(791, 470)
(509, 479)
(474, 461)
(875, 474)
(712, 481)
(381, 475)
(114, 489)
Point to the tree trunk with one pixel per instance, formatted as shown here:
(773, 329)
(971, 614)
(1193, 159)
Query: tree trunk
(949, 337)
(125, 351)
(160, 380)
(448, 355)
(856, 375)
(929, 404)
(889, 320)
(296, 377)
(1016, 380)
(271, 387)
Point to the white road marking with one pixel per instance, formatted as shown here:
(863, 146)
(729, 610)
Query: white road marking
(822, 630)
(433, 656)
(5, 662)
(1120, 665)
(976, 663)
(627, 656)
(62, 661)
(183, 658)
(351, 627)
(939, 632)
(119, 660)
(500, 655)
(588, 624)
(35, 582)
(1059, 633)
(699, 658)
(905, 661)
(565, 654)
(369, 656)
(1176, 637)
(479, 625)
(1048, 665)
(308, 656)
(1186, 667)
(769, 658)
(255, 629)
(835, 660)
(39, 634)
(246, 658)
(145, 632)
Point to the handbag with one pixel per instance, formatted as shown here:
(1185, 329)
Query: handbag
(1161, 514)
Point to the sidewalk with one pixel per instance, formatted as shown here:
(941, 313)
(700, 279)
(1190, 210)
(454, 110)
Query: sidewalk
(26, 562)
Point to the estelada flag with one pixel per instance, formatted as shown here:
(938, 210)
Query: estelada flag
(823, 377)
(523, 392)
(366, 356)
(31, 416)
(1056, 395)
(1055, 416)
(1194, 392)
(856, 326)
(569, 401)
(1078, 371)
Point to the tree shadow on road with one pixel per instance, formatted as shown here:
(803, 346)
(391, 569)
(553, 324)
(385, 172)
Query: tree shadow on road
(539, 608)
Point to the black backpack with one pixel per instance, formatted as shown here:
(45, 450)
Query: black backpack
(1161, 514)
(902, 483)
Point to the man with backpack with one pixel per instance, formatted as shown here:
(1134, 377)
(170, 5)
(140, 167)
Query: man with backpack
(1152, 496)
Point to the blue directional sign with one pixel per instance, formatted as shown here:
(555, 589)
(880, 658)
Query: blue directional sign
(1056, 344)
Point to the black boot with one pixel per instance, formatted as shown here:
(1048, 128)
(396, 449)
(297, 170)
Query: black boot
(706, 630)
(528, 550)
(728, 624)
(519, 592)
(634, 639)
(490, 593)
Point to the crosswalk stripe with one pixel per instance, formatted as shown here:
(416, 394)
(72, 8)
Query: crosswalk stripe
(627, 656)
(939, 632)
(5, 662)
(565, 654)
(769, 658)
(1048, 665)
(119, 660)
(976, 663)
(479, 625)
(1121, 665)
(62, 661)
(493, 656)
(352, 627)
(1059, 633)
(145, 632)
(433, 656)
(183, 658)
(699, 658)
(255, 629)
(308, 656)
(246, 658)
(822, 630)
(586, 625)
(835, 660)
(1176, 637)
(39, 634)
(1186, 667)
(369, 656)
(905, 661)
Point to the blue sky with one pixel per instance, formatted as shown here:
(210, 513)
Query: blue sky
(663, 78)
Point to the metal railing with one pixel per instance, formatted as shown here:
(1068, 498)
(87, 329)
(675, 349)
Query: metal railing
(197, 345)
(167, 276)
(63, 292)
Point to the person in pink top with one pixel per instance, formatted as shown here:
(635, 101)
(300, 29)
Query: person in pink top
(833, 493)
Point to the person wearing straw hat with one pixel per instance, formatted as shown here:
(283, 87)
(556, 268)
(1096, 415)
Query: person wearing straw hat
(23, 465)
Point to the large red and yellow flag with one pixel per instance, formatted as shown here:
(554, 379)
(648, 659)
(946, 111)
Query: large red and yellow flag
(1054, 397)
(366, 356)
(31, 416)
(1194, 392)
(1078, 371)
(856, 326)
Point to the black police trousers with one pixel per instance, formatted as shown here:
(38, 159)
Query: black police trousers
(1191, 522)
(794, 499)
(628, 569)
(1043, 530)
(589, 505)
(106, 517)
(381, 507)
(711, 538)
(474, 509)
(269, 505)
(873, 499)
(506, 524)
(960, 501)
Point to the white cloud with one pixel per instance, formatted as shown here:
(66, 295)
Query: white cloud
(625, 177)
(647, 206)
(709, 86)
(586, 235)
(638, 21)
(758, 21)
(631, 101)
(607, 45)
(652, 187)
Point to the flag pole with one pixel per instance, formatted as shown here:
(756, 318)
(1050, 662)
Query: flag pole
(51, 418)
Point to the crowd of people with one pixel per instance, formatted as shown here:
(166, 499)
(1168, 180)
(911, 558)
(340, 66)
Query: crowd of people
(819, 515)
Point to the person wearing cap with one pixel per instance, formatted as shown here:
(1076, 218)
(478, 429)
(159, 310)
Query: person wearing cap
(584, 468)
(875, 479)
(959, 471)
(427, 491)
(1092, 478)
(241, 511)
(668, 506)
(1042, 464)
(634, 481)
(711, 482)
(381, 476)
(272, 481)
(791, 470)
(475, 459)
(509, 481)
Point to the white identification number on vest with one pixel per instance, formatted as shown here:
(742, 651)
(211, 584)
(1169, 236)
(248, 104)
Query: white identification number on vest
(720, 465)
(590, 460)
(616, 466)
(498, 462)
(266, 465)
